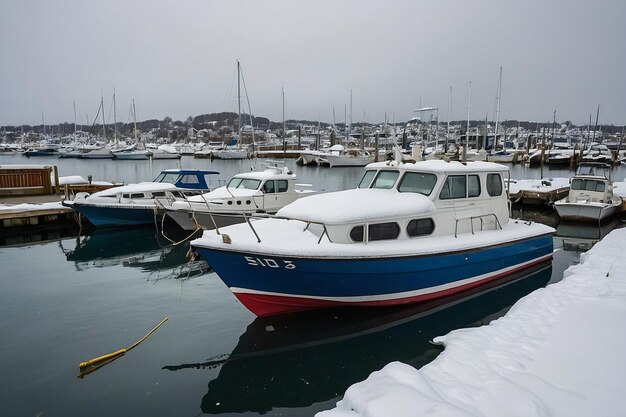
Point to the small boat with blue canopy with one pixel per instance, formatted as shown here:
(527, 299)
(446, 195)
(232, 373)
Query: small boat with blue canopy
(135, 204)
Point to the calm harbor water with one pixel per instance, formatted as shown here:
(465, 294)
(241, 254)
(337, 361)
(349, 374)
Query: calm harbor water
(70, 299)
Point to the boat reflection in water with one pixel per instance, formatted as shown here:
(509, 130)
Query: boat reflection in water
(140, 247)
(580, 237)
(300, 359)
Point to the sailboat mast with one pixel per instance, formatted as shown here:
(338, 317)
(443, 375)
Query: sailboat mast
(449, 108)
(104, 132)
(135, 120)
(114, 119)
(238, 100)
(469, 104)
(74, 104)
(284, 137)
(498, 95)
(596, 126)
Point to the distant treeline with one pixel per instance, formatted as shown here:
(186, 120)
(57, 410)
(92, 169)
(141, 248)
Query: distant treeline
(228, 121)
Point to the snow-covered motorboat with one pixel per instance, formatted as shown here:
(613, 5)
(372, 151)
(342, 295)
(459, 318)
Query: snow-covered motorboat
(347, 158)
(135, 204)
(591, 197)
(245, 194)
(410, 232)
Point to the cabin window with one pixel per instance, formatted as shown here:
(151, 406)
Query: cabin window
(587, 185)
(417, 182)
(268, 187)
(454, 187)
(133, 195)
(282, 186)
(189, 179)
(379, 231)
(170, 177)
(367, 179)
(158, 194)
(246, 183)
(420, 227)
(473, 186)
(234, 183)
(494, 185)
(385, 179)
(356, 234)
(383, 231)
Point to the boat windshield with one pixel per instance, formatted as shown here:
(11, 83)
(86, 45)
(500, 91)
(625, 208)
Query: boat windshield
(367, 179)
(385, 179)
(245, 183)
(587, 185)
(417, 182)
(167, 177)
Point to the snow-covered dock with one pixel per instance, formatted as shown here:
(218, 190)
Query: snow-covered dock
(557, 352)
(537, 192)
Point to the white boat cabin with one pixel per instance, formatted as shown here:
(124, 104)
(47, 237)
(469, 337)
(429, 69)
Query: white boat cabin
(409, 201)
(250, 192)
(592, 183)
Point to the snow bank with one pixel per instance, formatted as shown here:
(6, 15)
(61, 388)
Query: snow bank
(557, 352)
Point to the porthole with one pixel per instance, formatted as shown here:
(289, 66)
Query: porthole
(420, 227)
(383, 231)
(356, 234)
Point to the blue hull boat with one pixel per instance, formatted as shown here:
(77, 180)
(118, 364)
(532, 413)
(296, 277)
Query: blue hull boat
(408, 233)
(270, 285)
(136, 204)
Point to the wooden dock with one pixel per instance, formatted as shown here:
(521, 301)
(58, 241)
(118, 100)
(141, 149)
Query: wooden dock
(23, 211)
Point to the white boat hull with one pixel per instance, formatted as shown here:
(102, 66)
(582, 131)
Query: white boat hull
(586, 211)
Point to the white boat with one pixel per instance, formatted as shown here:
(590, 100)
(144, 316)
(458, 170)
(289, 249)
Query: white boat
(410, 232)
(598, 153)
(135, 204)
(102, 153)
(348, 158)
(132, 155)
(230, 153)
(591, 197)
(245, 194)
(165, 152)
(502, 157)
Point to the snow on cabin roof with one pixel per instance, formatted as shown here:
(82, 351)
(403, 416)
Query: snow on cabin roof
(437, 165)
(266, 174)
(136, 188)
(357, 205)
(221, 193)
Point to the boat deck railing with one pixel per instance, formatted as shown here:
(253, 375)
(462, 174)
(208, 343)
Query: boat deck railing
(480, 217)
(248, 219)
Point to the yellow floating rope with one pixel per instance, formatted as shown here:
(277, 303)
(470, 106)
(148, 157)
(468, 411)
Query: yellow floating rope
(96, 363)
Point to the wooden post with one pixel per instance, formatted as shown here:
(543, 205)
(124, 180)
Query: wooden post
(376, 148)
(56, 180)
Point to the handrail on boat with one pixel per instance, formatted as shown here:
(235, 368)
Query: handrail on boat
(273, 216)
(472, 218)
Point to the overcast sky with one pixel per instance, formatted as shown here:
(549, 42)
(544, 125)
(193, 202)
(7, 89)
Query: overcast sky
(178, 58)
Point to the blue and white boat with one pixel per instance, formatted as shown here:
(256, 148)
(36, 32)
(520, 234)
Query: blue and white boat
(245, 194)
(410, 232)
(136, 204)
